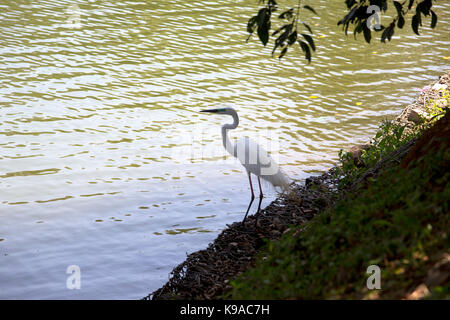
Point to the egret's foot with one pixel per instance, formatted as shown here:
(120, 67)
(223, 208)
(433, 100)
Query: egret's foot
(248, 209)
(258, 212)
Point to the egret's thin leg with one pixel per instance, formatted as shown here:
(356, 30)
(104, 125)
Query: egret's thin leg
(261, 196)
(253, 196)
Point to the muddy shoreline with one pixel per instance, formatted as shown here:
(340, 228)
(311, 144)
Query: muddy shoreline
(205, 274)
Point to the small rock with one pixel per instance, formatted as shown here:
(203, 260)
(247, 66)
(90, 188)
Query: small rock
(417, 116)
(439, 273)
(276, 233)
(420, 292)
(439, 87)
(308, 181)
(277, 223)
(357, 152)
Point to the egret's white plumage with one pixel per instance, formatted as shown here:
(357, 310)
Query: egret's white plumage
(256, 160)
(252, 156)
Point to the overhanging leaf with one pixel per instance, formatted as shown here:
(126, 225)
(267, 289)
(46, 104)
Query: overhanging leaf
(288, 14)
(263, 33)
(263, 20)
(305, 49)
(400, 22)
(358, 29)
(283, 52)
(367, 33)
(388, 33)
(292, 38)
(310, 41)
(415, 23)
(251, 25)
(434, 19)
(310, 9)
(398, 7)
(308, 27)
(348, 16)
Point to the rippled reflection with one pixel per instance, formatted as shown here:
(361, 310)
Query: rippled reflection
(102, 148)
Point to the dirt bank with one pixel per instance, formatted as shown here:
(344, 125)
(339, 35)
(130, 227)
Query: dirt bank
(205, 273)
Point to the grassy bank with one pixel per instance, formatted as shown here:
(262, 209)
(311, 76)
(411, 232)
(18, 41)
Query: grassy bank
(386, 204)
(395, 217)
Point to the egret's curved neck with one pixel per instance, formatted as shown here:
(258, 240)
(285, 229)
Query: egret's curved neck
(226, 141)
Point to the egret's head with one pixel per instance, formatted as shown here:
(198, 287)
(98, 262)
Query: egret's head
(227, 110)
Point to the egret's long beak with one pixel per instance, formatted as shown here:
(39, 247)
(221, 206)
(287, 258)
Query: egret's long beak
(211, 110)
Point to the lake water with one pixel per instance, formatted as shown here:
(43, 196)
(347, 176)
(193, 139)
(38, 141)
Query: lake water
(105, 161)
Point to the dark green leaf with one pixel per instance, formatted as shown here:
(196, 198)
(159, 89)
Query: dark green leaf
(348, 16)
(292, 38)
(263, 33)
(283, 52)
(424, 7)
(310, 41)
(433, 19)
(285, 34)
(388, 33)
(307, 27)
(283, 37)
(415, 23)
(398, 7)
(263, 13)
(400, 132)
(263, 20)
(251, 24)
(272, 5)
(359, 28)
(400, 22)
(350, 3)
(281, 29)
(391, 31)
(287, 14)
(367, 33)
(305, 49)
(310, 9)
(346, 28)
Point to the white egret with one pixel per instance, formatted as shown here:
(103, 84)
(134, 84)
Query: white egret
(253, 157)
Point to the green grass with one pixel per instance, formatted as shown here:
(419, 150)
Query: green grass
(436, 108)
(389, 137)
(399, 222)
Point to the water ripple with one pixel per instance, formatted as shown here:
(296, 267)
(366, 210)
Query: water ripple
(99, 106)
